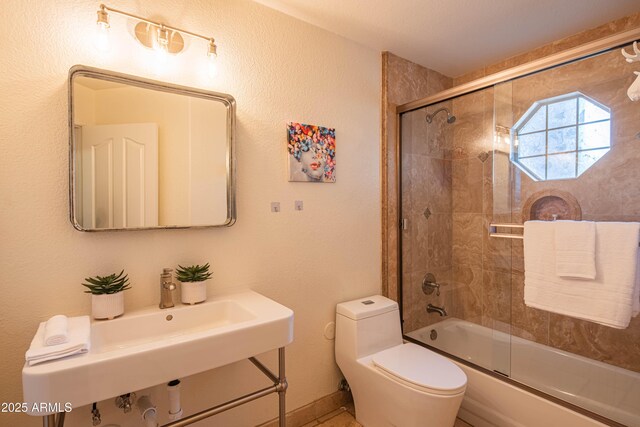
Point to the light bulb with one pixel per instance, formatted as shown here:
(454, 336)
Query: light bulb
(101, 40)
(162, 40)
(161, 47)
(212, 59)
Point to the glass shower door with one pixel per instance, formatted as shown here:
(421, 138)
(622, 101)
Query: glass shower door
(456, 283)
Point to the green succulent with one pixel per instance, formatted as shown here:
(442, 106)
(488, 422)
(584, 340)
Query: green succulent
(193, 273)
(111, 284)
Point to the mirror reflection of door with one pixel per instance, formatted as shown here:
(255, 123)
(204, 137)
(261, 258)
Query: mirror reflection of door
(120, 176)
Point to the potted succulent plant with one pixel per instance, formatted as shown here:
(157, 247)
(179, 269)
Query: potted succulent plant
(107, 294)
(193, 279)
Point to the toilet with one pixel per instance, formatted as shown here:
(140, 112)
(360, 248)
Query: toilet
(393, 383)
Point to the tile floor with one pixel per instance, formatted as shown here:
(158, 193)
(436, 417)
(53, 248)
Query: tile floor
(343, 417)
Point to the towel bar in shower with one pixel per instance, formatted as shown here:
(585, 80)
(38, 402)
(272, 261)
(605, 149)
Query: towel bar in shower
(493, 230)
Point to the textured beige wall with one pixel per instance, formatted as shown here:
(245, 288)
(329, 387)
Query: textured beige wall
(278, 69)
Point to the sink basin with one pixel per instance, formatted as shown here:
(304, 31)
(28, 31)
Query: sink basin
(150, 346)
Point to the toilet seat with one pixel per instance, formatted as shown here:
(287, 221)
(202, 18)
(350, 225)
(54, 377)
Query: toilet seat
(421, 369)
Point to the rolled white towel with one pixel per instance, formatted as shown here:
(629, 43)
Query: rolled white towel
(56, 330)
(79, 342)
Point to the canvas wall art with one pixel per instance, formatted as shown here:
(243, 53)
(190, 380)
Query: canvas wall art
(312, 153)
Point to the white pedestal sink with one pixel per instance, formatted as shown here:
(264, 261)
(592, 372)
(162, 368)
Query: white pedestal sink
(152, 346)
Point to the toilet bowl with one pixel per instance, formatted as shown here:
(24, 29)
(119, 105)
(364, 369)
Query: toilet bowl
(393, 383)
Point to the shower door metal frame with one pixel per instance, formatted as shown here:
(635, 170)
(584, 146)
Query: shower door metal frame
(570, 55)
(584, 51)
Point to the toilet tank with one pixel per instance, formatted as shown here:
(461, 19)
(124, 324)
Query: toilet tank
(366, 326)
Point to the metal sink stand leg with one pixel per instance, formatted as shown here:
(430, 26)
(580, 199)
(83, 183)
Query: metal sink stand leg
(279, 386)
(53, 420)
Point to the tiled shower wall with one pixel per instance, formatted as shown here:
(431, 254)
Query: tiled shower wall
(427, 203)
(402, 82)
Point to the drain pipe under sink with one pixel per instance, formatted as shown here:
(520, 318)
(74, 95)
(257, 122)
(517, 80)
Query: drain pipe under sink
(148, 411)
(175, 407)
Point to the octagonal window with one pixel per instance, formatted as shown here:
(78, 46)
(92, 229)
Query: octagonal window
(561, 137)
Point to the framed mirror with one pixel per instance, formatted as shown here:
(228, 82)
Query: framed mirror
(148, 155)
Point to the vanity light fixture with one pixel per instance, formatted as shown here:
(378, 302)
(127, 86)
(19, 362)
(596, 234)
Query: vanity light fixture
(102, 36)
(154, 35)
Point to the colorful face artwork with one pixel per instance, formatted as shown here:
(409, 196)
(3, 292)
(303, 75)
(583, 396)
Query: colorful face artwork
(312, 151)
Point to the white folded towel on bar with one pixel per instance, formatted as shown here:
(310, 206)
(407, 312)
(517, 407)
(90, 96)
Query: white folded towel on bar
(79, 330)
(610, 299)
(56, 330)
(576, 249)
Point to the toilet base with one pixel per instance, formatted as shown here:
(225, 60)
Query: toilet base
(382, 402)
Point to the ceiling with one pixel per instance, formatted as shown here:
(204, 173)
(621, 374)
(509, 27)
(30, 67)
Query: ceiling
(455, 36)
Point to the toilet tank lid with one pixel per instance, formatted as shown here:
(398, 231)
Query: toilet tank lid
(366, 307)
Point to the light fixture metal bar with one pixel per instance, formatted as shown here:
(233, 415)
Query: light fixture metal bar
(157, 24)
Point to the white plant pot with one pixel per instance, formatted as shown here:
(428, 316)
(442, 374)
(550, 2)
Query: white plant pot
(193, 292)
(107, 306)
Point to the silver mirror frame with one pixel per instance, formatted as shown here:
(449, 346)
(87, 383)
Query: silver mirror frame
(227, 100)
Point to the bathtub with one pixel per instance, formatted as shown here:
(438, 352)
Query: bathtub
(601, 388)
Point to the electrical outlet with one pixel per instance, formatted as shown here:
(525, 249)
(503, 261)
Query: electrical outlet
(298, 205)
(275, 207)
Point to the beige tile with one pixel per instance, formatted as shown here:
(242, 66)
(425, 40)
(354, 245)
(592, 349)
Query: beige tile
(308, 415)
(467, 239)
(439, 236)
(332, 402)
(466, 293)
(461, 423)
(496, 251)
(407, 81)
(438, 82)
(343, 420)
(468, 77)
(351, 408)
(467, 185)
(438, 139)
(496, 298)
(331, 414)
(472, 128)
(438, 180)
(528, 323)
(618, 347)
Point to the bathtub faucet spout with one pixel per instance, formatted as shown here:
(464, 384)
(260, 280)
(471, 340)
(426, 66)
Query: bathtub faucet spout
(433, 309)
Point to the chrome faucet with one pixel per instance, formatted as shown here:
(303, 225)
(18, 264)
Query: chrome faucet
(166, 288)
(433, 309)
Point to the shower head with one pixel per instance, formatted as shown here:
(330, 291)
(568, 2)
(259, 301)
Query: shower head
(450, 117)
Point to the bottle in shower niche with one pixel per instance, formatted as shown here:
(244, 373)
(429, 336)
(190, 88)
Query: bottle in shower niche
(193, 282)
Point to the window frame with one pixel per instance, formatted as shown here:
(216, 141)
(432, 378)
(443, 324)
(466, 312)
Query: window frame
(576, 124)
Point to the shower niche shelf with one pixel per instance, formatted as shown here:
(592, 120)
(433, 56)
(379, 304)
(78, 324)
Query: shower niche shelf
(550, 205)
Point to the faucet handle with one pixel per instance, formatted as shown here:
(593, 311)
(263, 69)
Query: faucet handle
(429, 284)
